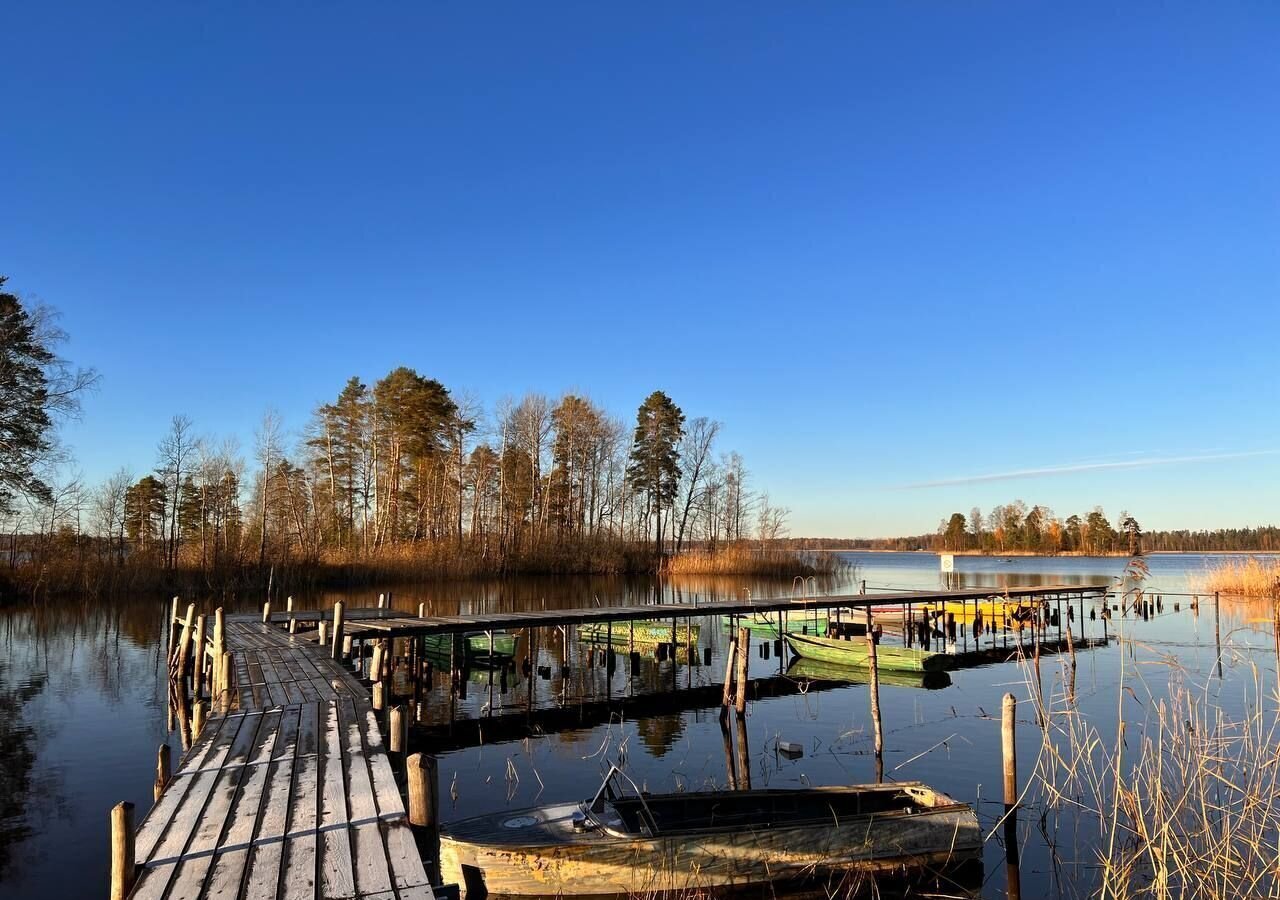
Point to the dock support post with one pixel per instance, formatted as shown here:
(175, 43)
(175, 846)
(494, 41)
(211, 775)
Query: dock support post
(873, 665)
(228, 680)
(398, 727)
(338, 646)
(123, 869)
(266, 612)
(731, 662)
(184, 642)
(197, 719)
(197, 669)
(164, 769)
(382, 601)
(744, 646)
(323, 637)
(1008, 719)
(219, 645)
(173, 629)
(379, 695)
(424, 798)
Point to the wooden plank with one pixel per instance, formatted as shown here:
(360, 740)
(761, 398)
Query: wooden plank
(337, 878)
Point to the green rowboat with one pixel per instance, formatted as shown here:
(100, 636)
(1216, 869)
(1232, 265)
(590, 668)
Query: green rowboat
(765, 625)
(641, 632)
(812, 670)
(854, 653)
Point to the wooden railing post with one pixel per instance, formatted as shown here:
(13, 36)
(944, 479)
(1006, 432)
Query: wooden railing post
(424, 799)
(338, 645)
(123, 869)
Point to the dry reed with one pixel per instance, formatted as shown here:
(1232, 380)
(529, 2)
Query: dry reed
(1250, 577)
(742, 560)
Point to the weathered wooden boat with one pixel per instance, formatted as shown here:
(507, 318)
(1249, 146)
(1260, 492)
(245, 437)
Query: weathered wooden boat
(616, 844)
(641, 632)
(854, 653)
(815, 670)
(765, 625)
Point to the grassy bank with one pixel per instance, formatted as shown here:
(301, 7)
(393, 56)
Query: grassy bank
(1252, 577)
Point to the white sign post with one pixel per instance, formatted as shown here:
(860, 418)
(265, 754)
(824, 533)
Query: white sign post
(948, 562)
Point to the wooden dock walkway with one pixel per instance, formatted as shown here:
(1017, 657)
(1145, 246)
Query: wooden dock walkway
(287, 790)
(290, 794)
(395, 623)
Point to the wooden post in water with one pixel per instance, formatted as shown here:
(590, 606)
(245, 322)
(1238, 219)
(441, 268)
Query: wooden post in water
(323, 637)
(744, 646)
(197, 719)
(382, 601)
(422, 610)
(1009, 751)
(197, 669)
(184, 643)
(338, 646)
(874, 668)
(730, 769)
(266, 612)
(173, 630)
(164, 770)
(228, 677)
(731, 662)
(424, 811)
(1217, 629)
(398, 726)
(379, 695)
(123, 869)
(744, 756)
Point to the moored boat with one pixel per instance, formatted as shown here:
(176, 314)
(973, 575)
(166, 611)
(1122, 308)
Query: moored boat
(473, 644)
(641, 844)
(639, 631)
(854, 653)
(815, 670)
(765, 625)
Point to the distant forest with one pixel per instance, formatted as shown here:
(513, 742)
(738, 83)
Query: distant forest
(1017, 528)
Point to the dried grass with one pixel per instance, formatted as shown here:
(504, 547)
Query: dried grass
(1251, 577)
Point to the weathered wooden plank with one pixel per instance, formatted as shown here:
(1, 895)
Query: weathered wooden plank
(298, 867)
(337, 878)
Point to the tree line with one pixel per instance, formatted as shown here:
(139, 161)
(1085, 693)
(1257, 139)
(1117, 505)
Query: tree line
(401, 471)
(1018, 528)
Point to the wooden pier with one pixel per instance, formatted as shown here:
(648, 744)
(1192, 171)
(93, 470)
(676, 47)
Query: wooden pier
(288, 794)
(287, 789)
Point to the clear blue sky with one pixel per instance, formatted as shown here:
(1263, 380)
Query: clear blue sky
(886, 244)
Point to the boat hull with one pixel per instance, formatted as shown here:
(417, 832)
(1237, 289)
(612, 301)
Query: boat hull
(762, 627)
(854, 653)
(743, 857)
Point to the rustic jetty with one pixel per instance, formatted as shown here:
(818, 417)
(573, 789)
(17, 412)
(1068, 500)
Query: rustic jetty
(638, 844)
(287, 787)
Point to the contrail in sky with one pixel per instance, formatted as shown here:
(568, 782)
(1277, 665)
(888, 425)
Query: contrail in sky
(1086, 467)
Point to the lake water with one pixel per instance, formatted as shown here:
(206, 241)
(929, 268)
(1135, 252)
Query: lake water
(83, 708)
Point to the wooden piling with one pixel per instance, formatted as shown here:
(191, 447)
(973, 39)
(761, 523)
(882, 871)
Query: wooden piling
(184, 642)
(197, 719)
(874, 668)
(164, 769)
(731, 661)
(219, 645)
(1217, 629)
(375, 666)
(266, 612)
(323, 638)
(288, 603)
(744, 648)
(228, 673)
(1008, 720)
(398, 725)
(379, 695)
(424, 807)
(348, 644)
(382, 601)
(123, 868)
(338, 646)
(422, 610)
(173, 630)
(197, 670)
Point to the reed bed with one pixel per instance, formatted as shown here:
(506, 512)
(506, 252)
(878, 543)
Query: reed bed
(740, 560)
(1251, 577)
(1182, 795)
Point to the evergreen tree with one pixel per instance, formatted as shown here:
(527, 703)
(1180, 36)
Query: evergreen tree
(655, 456)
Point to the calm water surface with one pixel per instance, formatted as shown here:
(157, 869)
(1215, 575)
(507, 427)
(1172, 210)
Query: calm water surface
(83, 709)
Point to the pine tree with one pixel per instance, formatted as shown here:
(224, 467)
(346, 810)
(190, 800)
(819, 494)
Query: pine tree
(655, 456)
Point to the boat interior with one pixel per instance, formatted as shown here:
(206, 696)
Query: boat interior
(674, 813)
